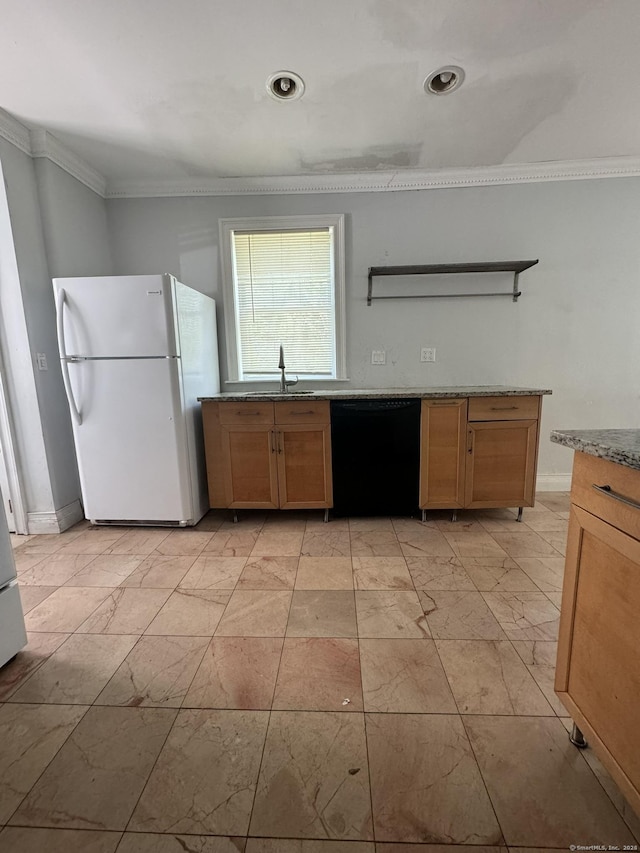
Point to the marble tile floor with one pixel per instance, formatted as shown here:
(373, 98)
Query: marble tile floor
(285, 686)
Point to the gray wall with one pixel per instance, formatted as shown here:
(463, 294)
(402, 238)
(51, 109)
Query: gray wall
(74, 221)
(574, 329)
(74, 227)
(56, 226)
(22, 278)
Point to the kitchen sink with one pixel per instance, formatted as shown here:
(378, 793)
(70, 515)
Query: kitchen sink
(274, 393)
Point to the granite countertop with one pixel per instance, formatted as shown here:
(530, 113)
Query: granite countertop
(379, 393)
(615, 445)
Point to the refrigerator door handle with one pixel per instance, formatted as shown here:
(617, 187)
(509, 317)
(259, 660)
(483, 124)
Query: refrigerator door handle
(60, 300)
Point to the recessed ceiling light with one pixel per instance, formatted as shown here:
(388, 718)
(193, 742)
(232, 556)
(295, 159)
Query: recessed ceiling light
(285, 86)
(444, 80)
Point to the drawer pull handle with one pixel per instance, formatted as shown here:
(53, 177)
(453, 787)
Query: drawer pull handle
(607, 490)
(503, 408)
(310, 412)
(248, 414)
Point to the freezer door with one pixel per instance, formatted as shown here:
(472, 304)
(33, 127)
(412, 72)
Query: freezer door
(116, 316)
(131, 444)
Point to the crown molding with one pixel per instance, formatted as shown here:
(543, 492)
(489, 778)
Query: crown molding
(14, 132)
(359, 182)
(45, 144)
(42, 143)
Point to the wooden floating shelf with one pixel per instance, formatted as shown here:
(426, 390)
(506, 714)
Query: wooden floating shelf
(516, 267)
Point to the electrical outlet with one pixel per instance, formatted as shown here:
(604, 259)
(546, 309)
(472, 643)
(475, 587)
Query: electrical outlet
(41, 361)
(378, 356)
(428, 354)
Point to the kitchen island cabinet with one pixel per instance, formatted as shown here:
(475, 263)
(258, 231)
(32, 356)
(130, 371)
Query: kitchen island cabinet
(598, 666)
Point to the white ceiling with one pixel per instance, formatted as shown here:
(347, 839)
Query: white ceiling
(174, 89)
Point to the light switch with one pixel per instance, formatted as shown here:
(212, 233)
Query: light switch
(378, 356)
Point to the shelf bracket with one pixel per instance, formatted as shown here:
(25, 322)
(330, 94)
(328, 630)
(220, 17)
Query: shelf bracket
(516, 292)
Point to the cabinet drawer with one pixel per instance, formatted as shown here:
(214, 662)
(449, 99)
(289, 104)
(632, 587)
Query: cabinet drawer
(246, 413)
(503, 408)
(619, 505)
(444, 401)
(302, 412)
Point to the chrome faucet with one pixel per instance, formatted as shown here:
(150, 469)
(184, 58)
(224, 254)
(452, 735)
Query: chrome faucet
(284, 382)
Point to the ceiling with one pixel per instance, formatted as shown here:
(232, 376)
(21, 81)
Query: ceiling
(160, 89)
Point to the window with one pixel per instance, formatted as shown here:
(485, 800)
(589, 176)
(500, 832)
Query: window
(284, 284)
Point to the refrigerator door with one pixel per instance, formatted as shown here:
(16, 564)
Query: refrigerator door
(12, 631)
(13, 636)
(196, 329)
(7, 564)
(116, 316)
(131, 444)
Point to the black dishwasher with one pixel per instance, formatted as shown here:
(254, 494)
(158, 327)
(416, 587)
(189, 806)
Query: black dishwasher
(375, 447)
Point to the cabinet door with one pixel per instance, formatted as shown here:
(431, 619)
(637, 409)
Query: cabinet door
(598, 670)
(213, 454)
(249, 465)
(442, 453)
(304, 466)
(501, 463)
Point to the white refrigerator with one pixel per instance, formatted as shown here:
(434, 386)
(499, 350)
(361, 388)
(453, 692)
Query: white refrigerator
(12, 633)
(136, 352)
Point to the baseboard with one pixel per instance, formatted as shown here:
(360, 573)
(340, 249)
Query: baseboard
(553, 483)
(57, 521)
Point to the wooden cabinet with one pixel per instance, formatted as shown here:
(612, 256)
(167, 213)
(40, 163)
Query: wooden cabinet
(501, 463)
(249, 466)
(502, 451)
(479, 453)
(247, 458)
(598, 667)
(266, 455)
(442, 453)
(304, 466)
(474, 452)
(303, 439)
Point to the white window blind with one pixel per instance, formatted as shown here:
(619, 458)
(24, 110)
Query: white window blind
(285, 294)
